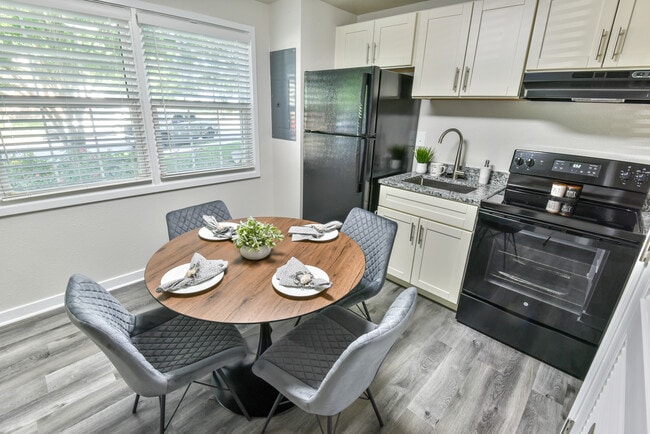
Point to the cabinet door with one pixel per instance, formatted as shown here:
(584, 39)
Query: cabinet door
(497, 47)
(440, 258)
(628, 45)
(393, 41)
(440, 45)
(401, 258)
(571, 33)
(353, 45)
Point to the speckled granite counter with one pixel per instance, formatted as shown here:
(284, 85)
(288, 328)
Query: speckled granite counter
(497, 183)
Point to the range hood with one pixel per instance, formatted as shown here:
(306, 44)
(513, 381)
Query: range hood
(632, 86)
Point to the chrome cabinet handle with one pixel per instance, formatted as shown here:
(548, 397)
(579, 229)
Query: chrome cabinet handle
(412, 232)
(603, 39)
(465, 79)
(456, 79)
(374, 52)
(616, 51)
(367, 53)
(420, 232)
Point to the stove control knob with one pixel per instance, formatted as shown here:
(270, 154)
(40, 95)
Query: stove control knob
(640, 178)
(519, 161)
(625, 175)
(530, 162)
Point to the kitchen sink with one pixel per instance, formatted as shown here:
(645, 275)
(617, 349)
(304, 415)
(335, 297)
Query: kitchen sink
(428, 182)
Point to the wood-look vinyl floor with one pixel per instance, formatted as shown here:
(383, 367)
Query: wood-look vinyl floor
(441, 377)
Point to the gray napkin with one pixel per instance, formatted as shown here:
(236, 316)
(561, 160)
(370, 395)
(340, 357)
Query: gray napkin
(313, 231)
(217, 229)
(200, 270)
(294, 274)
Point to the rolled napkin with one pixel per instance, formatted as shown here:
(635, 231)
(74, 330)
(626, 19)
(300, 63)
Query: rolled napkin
(313, 231)
(217, 229)
(200, 270)
(295, 274)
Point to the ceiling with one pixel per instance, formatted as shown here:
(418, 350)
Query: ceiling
(360, 7)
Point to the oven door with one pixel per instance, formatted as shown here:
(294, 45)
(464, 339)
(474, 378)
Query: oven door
(548, 274)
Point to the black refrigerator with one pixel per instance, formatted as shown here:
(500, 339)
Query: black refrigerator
(353, 117)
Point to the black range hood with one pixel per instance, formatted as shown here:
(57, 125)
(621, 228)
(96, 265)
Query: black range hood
(631, 86)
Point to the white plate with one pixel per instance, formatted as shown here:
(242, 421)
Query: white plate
(326, 236)
(301, 292)
(179, 272)
(207, 234)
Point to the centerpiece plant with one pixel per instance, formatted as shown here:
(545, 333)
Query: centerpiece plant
(256, 239)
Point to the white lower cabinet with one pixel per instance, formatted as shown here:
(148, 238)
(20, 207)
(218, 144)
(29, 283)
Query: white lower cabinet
(432, 242)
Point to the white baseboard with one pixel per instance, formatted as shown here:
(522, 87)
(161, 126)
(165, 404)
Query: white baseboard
(27, 310)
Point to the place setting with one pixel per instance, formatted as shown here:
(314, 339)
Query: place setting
(316, 231)
(296, 279)
(199, 275)
(214, 230)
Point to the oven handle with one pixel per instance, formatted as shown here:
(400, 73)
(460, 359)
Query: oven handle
(521, 221)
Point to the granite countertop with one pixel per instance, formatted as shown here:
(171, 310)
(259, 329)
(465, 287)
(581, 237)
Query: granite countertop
(497, 183)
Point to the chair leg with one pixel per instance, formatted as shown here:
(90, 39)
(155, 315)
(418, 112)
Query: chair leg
(272, 412)
(229, 385)
(330, 425)
(161, 400)
(365, 310)
(135, 404)
(374, 406)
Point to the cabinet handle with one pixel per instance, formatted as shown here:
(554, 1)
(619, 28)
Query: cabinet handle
(603, 39)
(616, 51)
(465, 79)
(456, 79)
(374, 53)
(367, 54)
(412, 232)
(420, 232)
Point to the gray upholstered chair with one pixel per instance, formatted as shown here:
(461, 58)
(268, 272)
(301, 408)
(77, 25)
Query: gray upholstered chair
(157, 351)
(184, 220)
(375, 235)
(324, 364)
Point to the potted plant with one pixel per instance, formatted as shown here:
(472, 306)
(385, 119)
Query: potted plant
(423, 156)
(397, 154)
(255, 239)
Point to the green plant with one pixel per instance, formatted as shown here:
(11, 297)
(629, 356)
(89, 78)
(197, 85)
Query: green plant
(397, 152)
(424, 154)
(254, 234)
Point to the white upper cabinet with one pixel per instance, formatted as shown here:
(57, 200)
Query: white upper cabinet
(590, 34)
(474, 49)
(386, 42)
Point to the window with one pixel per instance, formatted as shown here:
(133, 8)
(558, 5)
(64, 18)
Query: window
(89, 99)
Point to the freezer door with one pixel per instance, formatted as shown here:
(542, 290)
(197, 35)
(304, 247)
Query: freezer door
(333, 176)
(336, 100)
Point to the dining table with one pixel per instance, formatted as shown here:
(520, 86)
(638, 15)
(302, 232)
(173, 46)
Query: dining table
(246, 293)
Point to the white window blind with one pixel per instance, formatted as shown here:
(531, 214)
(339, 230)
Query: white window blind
(200, 88)
(70, 115)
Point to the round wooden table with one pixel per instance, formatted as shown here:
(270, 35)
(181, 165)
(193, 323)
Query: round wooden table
(245, 295)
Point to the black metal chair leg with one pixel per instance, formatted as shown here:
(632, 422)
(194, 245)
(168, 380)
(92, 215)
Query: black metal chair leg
(229, 385)
(272, 412)
(374, 406)
(161, 400)
(330, 425)
(365, 309)
(135, 404)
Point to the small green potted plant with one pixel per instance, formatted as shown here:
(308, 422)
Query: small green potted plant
(423, 156)
(255, 239)
(397, 154)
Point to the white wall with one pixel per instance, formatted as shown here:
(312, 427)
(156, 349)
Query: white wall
(494, 129)
(113, 240)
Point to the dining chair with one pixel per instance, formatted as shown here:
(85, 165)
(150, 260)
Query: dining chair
(328, 361)
(186, 219)
(375, 235)
(157, 351)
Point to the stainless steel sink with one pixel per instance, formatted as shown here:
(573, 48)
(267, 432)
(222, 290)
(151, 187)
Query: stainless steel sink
(428, 182)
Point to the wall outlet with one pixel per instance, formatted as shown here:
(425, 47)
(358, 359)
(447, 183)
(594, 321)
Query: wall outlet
(419, 138)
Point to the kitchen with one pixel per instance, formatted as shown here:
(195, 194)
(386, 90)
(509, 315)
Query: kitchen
(492, 130)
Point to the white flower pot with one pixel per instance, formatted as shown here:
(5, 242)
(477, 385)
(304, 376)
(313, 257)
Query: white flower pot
(421, 167)
(255, 255)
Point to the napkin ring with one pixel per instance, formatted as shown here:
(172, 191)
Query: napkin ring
(302, 278)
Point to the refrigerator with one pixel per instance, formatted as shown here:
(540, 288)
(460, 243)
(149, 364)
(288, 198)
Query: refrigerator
(352, 119)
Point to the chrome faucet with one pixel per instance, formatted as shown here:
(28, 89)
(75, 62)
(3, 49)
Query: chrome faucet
(456, 173)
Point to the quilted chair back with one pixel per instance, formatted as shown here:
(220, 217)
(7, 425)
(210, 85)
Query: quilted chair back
(358, 365)
(375, 235)
(108, 324)
(186, 219)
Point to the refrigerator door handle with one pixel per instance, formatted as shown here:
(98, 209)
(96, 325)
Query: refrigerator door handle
(363, 105)
(361, 163)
